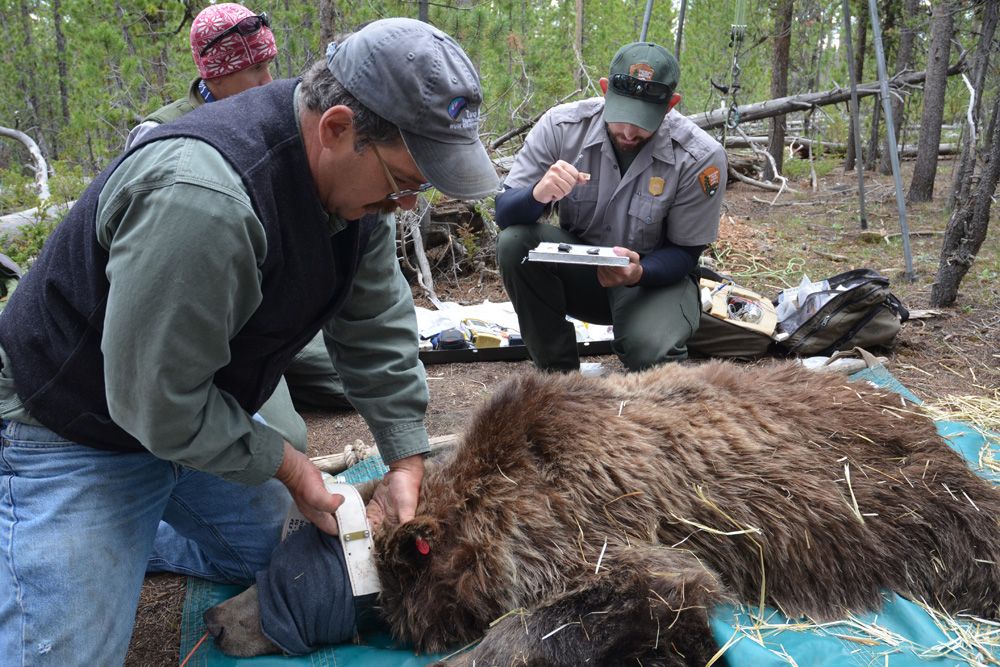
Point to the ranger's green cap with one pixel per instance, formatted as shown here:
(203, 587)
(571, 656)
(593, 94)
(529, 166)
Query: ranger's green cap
(642, 80)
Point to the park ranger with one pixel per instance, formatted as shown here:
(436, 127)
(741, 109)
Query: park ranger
(624, 171)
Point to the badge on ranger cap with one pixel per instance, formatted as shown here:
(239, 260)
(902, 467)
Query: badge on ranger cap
(709, 179)
(656, 186)
(641, 71)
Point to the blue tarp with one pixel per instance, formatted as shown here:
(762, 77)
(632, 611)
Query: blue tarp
(378, 650)
(907, 635)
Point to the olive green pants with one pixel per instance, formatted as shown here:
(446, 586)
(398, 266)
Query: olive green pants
(312, 379)
(651, 324)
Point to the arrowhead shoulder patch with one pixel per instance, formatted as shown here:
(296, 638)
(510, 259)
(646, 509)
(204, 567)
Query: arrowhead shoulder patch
(709, 179)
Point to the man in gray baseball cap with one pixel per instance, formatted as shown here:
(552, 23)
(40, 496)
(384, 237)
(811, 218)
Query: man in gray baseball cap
(420, 80)
(224, 240)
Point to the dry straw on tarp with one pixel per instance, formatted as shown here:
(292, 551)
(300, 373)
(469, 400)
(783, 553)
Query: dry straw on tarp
(973, 641)
(982, 413)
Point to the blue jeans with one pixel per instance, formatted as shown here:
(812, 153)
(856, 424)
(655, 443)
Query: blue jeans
(79, 527)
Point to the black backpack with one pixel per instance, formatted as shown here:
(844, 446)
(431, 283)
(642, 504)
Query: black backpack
(860, 312)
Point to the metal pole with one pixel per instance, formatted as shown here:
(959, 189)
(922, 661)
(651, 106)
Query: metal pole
(891, 134)
(645, 20)
(855, 117)
(680, 30)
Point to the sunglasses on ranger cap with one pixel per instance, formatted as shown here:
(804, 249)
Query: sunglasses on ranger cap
(245, 27)
(648, 91)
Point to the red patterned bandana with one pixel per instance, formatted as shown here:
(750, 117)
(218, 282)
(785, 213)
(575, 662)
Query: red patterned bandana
(234, 52)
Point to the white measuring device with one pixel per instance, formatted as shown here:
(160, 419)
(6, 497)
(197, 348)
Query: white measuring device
(355, 535)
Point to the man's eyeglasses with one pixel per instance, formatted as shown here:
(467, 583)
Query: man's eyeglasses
(398, 194)
(648, 91)
(246, 27)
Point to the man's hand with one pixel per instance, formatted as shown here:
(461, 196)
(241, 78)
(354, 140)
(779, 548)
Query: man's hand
(557, 182)
(397, 495)
(614, 276)
(305, 482)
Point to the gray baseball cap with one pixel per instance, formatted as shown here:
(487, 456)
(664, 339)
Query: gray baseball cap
(420, 80)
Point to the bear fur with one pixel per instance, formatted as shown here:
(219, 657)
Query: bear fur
(606, 516)
(598, 520)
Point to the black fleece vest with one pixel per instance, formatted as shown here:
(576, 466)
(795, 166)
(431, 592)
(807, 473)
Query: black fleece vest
(52, 326)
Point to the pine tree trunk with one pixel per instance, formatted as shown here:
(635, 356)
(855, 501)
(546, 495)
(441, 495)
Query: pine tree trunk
(967, 162)
(329, 22)
(872, 151)
(61, 60)
(578, 44)
(925, 168)
(904, 57)
(860, 46)
(35, 118)
(779, 83)
(967, 229)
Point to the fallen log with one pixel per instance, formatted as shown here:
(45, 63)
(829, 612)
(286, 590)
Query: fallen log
(806, 101)
(11, 224)
(832, 146)
(338, 463)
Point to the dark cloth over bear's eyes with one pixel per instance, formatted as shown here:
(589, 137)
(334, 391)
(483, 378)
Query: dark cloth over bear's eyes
(305, 595)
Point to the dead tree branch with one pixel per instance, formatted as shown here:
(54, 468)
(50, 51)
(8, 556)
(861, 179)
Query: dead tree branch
(804, 101)
(410, 221)
(504, 138)
(39, 165)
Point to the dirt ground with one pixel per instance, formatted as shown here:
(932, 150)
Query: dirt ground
(765, 246)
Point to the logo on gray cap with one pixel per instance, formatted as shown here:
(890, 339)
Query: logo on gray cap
(419, 79)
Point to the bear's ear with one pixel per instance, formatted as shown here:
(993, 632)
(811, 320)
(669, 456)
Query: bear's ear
(415, 542)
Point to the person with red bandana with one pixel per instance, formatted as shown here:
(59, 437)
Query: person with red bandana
(624, 171)
(232, 48)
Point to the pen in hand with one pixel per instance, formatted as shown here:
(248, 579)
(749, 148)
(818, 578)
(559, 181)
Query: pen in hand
(576, 164)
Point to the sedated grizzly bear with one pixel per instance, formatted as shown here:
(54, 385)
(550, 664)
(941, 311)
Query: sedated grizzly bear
(602, 518)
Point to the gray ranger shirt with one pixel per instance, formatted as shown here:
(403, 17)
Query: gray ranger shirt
(671, 194)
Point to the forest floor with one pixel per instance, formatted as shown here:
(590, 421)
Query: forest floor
(944, 359)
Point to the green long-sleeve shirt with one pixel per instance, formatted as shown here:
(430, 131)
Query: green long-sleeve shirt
(180, 292)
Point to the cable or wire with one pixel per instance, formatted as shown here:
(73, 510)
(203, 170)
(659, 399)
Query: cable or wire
(191, 652)
(737, 32)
